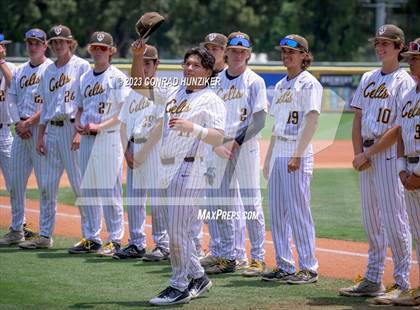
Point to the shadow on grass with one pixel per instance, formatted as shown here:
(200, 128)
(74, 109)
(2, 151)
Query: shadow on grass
(128, 304)
(347, 302)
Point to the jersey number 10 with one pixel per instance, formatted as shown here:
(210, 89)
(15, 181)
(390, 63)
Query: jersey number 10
(383, 115)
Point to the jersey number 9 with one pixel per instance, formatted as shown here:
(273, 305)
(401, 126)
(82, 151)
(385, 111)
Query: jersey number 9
(244, 113)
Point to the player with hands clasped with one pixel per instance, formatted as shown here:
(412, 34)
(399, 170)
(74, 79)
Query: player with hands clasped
(288, 165)
(58, 141)
(376, 101)
(25, 110)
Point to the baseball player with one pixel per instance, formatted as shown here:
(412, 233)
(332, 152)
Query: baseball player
(384, 215)
(6, 139)
(25, 105)
(407, 132)
(194, 114)
(237, 160)
(288, 165)
(103, 92)
(58, 142)
(140, 118)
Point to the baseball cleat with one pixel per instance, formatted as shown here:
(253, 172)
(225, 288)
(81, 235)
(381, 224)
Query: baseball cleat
(363, 288)
(209, 260)
(12, 237)
(40, 242)
(130, 251)
(109, 249)
(276, 275)
(29, 233)
(391, 293)
(85, 246)
(158, 254)
(171, 296)
(223, 266)
(303, 277)
(241, 264)
(408, 298)
(199, 286)
(255, 269)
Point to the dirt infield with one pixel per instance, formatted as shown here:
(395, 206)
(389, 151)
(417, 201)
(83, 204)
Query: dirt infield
(337, 259)
(339, 154)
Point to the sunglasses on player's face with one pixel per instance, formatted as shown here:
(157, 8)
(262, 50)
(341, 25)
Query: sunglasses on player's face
(238, 41)
(414, 47)
(103, 48)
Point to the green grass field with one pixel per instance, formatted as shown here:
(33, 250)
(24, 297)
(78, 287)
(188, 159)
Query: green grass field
(330, 204)
(53, 279)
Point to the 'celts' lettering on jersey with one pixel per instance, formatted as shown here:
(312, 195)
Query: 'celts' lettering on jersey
(60, 89)
(201, 107)
(102, 94)
(378, 96)
(4, 90)
(25, 86)
(292, 100)
(243, 96)
(409, 120)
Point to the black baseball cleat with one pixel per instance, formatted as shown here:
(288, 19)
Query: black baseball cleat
(303, 277)
(85, 246)
(158, 254)
(277, 275)
(199, 286)
(131, 251)
(171, 296)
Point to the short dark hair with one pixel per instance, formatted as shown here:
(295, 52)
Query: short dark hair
(207, 59)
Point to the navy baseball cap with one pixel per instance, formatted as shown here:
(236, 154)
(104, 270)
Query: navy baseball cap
(36, 34)
(3, 39)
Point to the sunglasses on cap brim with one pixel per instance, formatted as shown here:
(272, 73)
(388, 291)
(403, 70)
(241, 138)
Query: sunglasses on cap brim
(291, 43)
(414, 47)
(239, 42)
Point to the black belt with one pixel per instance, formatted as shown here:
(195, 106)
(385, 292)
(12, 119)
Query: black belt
(95, 133)
(4, 125)
(413, 160)
(171, 160)
(368, 143)
(284, 139)
(138, 140)
(24, 118)
(60, 123)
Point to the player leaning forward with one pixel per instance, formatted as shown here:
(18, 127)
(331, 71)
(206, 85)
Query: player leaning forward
(195, 115)
(376, 101)
(58, 140)
(25, 110)
(103, 92)
(289, 163)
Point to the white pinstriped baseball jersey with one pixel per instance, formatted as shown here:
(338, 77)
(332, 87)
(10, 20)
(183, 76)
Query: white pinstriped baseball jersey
(59, 88)
(24, 86)
(409, 120)
(103, 95)
(292, 100)
(4, 91)
(201, 107)
(243, 96)
(378, 96)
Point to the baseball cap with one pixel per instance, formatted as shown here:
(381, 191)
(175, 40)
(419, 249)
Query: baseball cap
(389, 32)
(101, 38)
(148, 23)
(413, 49)
(3, 40)
(295, 42)
(214, 38)
(150, 52)
(60, 32)
(36, 34)
(239, 40)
